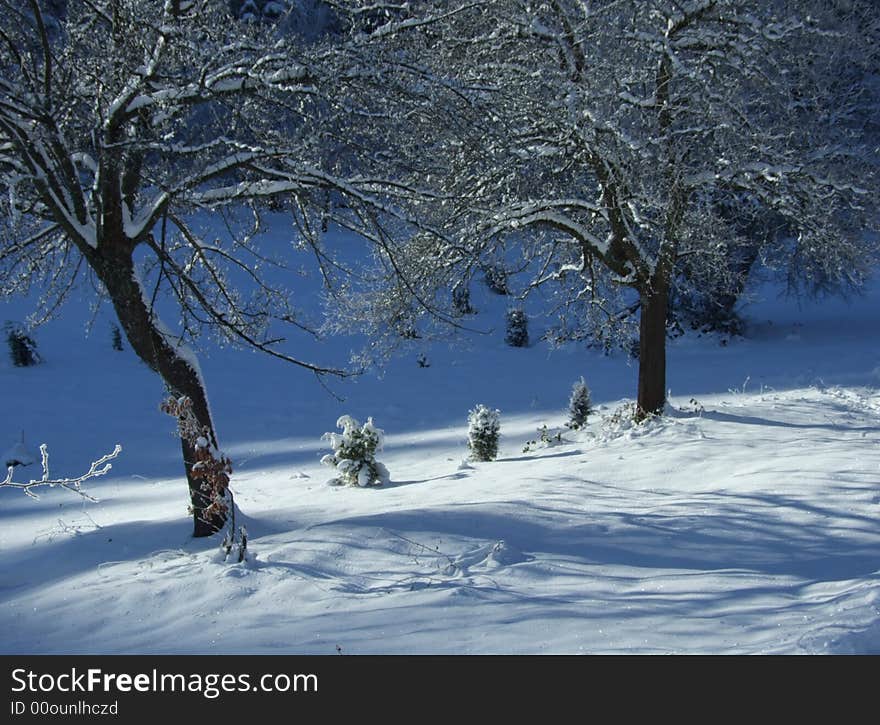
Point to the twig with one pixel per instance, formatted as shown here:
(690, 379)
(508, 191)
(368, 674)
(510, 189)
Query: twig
(97, 468)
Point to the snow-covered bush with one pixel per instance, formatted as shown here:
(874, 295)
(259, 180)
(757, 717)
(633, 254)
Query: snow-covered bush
(354, 453)
(484, 426)
(517, 328)
(22, 348)
(627, 421)
(579, 405)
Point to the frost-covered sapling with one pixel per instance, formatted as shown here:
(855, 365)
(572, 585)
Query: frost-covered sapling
(484, 427)
(579, 405)
(517, 328)
(354, 453)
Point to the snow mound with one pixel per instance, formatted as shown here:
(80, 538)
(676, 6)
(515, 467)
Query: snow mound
(19, 454)
(852, 625)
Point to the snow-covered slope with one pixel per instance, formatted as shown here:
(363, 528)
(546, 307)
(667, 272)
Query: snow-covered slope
(744, 521)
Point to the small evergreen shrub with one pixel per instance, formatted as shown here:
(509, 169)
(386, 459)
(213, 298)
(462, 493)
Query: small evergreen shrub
(517, 328)
(579, 405)
(354, 453)
(22, 348)
(546, 439)
(484, 427)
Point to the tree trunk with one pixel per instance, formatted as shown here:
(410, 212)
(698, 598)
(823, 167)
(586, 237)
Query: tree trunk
(652, 350)
(146, 339)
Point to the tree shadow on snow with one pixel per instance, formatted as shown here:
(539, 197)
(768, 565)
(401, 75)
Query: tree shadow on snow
(540, 456)
(65, 550)
(763, 534)
(754, 420)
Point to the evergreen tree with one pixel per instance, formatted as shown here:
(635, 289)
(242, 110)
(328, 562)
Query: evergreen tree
(484, 426)
(354, 453)
(579, 405)
(517, 328)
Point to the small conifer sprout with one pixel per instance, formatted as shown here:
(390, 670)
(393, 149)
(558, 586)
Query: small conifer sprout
(579, 405)
(354, 453)
(484, 426)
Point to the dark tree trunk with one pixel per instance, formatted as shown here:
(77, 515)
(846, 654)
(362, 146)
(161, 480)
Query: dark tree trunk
(652, 350)
(146, 339)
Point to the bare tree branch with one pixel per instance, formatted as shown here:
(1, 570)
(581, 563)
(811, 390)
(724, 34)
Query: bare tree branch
(97, 468)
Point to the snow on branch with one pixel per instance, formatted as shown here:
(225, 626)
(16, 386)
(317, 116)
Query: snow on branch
(533, 214)
(97, 468)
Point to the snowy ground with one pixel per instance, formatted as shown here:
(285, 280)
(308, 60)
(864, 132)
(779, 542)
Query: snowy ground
(746, 521)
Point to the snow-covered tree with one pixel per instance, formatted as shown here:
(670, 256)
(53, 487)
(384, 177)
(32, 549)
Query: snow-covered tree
(354, 453)
(607, 140)
(484, 430)
(579, 405)
(122, 119)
